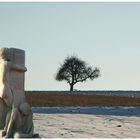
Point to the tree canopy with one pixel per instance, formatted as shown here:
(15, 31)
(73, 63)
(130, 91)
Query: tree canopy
(75, 70)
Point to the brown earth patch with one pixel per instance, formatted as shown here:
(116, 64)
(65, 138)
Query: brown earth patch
(57, 99)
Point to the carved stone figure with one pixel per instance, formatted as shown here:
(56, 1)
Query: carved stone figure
(7, 93)
(19, 122)
(15, 113)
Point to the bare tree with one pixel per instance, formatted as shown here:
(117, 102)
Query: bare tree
(74, 70)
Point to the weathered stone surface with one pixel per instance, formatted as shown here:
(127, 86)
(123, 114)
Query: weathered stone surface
(15, 112)
(17, 57)
(3, 112)
(19, 122)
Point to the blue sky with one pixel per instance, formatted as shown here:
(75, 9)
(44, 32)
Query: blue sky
(106, 35)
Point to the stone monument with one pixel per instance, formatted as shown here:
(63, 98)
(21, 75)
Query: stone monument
(15, 112)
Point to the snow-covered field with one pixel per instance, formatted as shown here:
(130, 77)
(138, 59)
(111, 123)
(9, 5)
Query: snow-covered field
(87, 122)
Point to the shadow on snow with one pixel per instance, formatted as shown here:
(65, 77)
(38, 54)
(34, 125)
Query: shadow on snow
(115, 111)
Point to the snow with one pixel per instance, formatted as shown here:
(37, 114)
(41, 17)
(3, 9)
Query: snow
(87, 122)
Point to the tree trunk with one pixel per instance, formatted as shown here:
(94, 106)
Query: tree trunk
(71, 87)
